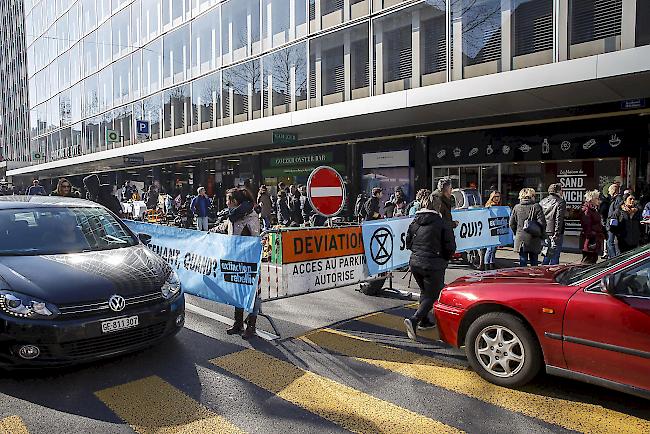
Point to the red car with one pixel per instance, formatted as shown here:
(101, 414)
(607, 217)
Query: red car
(590, 323)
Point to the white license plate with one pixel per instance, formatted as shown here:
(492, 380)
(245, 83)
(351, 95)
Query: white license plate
(119, 324)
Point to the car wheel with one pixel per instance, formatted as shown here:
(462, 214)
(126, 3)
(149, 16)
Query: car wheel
(502, 350)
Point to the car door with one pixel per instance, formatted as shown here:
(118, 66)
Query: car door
(608, 335)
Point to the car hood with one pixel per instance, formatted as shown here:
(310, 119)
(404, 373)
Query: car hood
(85, 277)
(525, 275)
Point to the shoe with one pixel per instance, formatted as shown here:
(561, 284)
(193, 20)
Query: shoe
(238, 326)
(410, 330)
(250, 327)
(425, 324)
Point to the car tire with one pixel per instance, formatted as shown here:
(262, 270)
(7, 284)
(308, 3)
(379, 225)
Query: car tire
(514, 359)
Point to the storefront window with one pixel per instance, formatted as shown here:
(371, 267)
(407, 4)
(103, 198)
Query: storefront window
(388, 170)
(476, 30)
(594, 27)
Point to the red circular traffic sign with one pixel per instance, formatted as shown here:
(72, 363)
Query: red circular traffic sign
(325, 191)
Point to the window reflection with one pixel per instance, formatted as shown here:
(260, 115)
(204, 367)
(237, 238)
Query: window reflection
(242, 84)
(176, 110)
(532, 27)
(206, 102)
(176, 58)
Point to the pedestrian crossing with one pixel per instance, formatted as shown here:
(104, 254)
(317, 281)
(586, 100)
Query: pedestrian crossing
(334, 375)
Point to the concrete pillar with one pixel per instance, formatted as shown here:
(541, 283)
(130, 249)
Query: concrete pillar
(215, 108)
(270, 93)
(292, 87)
(292, 18)
(319, 73)
(628, 24)
(415, 49)
(346, 11)
(269, 24)
(457, 34)
(249, 32)
(561, 46)
(250, 101)
(317, 15)
(347, 67)
(506, 35)
(231, 105)
(230, 34)
(379, 58)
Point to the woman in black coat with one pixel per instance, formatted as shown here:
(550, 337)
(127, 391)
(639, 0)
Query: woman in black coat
(528, 245)
(432, 244)
(628, 230)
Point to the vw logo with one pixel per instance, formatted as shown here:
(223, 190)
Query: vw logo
(117, 303)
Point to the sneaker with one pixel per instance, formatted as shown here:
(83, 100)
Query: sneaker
(425, 324)
(410, 330)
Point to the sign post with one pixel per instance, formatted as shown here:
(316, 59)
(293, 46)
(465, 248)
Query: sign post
(326, 191)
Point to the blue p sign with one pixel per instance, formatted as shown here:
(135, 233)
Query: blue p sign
(142, 127)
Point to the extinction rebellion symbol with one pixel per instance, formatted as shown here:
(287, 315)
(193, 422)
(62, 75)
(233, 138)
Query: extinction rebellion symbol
(381, 246)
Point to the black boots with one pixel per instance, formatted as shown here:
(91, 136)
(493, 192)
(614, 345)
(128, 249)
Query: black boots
(250, 327)
(238, 326)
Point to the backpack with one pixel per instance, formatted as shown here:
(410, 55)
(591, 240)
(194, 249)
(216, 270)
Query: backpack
(360, 210)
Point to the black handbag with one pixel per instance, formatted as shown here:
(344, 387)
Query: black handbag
(532, 226)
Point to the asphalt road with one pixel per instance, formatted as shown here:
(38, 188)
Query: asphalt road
(343, 364)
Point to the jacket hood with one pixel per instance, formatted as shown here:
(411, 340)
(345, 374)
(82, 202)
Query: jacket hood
(91, 182)
(85, 277)
(426, 217)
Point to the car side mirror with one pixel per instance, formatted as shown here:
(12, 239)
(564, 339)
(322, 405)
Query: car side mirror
(608, 284)
(145, 238)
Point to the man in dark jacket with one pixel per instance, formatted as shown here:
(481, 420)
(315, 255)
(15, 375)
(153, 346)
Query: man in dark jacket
(442, 201)
(614, 205)
(432, 244)
(101, 194)
(373, 204)
(295, 212)
(554, 207)
(200, 206)
(36, 189)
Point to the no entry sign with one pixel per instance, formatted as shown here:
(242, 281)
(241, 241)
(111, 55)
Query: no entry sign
(326, 191)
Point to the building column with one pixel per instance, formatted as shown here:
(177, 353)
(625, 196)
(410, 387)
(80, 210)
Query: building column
(231, 105)
(292, 87)
(457, 58)
(506, 35)
(269, 23)
(561, 46)
(379, 58)
(318, 73)
(216, 109)
(250, 100)
(317, 14)
(347, 67)
(346, 11)
(269, 81)
(422, 167)
(415, 49)
(628, 24)
(249, 33)
(292, 18)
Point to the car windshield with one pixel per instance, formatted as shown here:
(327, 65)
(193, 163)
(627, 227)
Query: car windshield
(578, 273)
(60, 230)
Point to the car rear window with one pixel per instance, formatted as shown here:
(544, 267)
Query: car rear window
(60, 230)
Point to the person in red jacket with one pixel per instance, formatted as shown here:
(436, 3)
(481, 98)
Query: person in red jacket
(593, 234)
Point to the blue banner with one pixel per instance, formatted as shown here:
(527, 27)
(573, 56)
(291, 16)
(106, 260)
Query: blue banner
(221, 268)
(482, 227)
(384, 243)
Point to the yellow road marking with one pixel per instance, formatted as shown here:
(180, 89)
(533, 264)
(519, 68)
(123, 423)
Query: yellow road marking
(353, 410)
(578, 416)
(13, 425)
(151, 405)
(395, 322)
(412, 306)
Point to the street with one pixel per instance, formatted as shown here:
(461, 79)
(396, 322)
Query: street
(342, 364)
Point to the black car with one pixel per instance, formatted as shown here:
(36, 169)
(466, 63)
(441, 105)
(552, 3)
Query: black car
(77, 285)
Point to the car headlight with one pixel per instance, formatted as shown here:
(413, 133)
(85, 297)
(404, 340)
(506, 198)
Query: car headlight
(25, 306)
(171, 287)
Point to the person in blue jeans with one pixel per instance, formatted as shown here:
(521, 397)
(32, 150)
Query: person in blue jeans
(529, 226)
(491, 252)
(554, 207)
(200, 206)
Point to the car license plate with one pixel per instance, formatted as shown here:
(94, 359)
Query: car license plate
(119, 324)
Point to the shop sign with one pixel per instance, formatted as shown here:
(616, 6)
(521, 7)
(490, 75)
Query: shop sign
(37, 155)
(142, 128)
(133, 160)
(482, 227)
(319, 259)
(302, 160)
(574, 187)
(632, 104)
(386, 159)
(283, 138)
(112, 136)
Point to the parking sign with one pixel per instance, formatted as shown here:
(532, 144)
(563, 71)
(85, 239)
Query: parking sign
(142, 127)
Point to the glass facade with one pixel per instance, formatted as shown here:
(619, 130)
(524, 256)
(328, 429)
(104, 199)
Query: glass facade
(188, 65)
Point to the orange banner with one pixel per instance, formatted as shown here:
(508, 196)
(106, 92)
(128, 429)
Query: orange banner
(308, 245)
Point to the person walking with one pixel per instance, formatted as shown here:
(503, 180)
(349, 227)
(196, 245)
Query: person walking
(628, 228)
(36, 189)
(373, 204)
(200, 206)
(616, 200)
(593, 233)
(431, 241)
(554, 207)
(243, 221)
(528, 223)
(64, 189)
(282, 204)
(491, 252)
(101, 194)
(266, 206)
(442, 199)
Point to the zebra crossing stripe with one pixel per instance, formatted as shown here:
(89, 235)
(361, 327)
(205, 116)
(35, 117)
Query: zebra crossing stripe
(573, 415)
(151, 405)
(347, 407)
